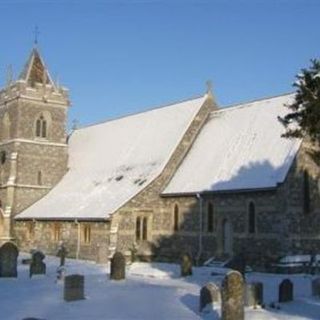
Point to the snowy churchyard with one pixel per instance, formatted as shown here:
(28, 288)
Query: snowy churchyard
(149, 291)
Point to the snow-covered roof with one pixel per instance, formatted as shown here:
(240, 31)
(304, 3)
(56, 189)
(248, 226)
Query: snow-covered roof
(109, 163)
(238, 148)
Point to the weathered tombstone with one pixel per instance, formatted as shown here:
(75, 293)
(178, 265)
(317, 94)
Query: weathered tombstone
(286, 291)
(74, 287)
(208, 294)
(254, 294)
(316, 287)
(118, 267)
(232, 296)
(8, 260)
(186, 265)
(62, 253)
(37, 265)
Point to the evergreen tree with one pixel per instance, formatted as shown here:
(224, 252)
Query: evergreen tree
(304, 118)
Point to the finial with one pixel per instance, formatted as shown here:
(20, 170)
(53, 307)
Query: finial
(9, 75)
(36, 35)
(209, 86)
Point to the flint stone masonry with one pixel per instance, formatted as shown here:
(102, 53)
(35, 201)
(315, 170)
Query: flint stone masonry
(8, 260)
(232, 295)
(286, 291)
(118, 267)
(74, 287)
(209, 294)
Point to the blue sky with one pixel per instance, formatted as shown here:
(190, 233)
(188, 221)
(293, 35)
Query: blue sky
(120, 57)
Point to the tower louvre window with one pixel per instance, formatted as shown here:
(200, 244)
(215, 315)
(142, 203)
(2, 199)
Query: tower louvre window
(41, 127)
(39, 178)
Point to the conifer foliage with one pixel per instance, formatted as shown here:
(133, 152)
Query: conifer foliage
(304, 118)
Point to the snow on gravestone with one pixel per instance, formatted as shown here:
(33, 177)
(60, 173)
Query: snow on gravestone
(74, 287)
(286, 291)
(232, 297)
(8, 260)
(118, 267)
(208, 294)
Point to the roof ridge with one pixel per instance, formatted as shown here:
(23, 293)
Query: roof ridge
(247, 103)
(139, 112)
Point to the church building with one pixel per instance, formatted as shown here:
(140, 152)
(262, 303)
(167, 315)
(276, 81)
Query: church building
(186, 177)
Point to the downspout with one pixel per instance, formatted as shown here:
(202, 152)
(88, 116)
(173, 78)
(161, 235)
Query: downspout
(200, 228)
(78, 238)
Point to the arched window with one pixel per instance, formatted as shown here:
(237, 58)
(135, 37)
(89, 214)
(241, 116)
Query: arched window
(138, 228)
(210, 218)
(41, 127)
(252, 218)
(39, 178)
(306, 192)
(86, 233)
(144, 228)
(31, 229)
(176, 218)
(56, 231)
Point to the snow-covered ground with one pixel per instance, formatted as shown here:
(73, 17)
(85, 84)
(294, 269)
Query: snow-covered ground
(151, 291)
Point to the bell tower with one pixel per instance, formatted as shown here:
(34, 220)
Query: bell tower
(33, 140)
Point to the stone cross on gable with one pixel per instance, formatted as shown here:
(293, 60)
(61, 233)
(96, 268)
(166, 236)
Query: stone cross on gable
(36, 35)
(209, 86)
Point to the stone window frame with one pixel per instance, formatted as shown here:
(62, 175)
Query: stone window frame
(31, 226)
(56, 231)
(142, 227)
(210, 217)
(251, 221)
(42, 125)
(86, 233)
(176, 217)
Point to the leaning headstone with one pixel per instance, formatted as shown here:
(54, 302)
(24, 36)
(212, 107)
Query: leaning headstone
(209, 294)
(8, 260)
(232, 297)
(62, 253)
(37, 265)
(186, 265)
(254, 294)
(74, 287)
(286, 291)
(316, 287)
(118, 267)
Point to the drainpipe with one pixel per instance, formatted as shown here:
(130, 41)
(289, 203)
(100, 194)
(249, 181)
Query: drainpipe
(200, 228)
(78, 239)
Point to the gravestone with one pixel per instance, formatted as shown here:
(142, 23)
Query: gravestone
(286, 291)
(8, 260)
(208, 294)
(254, 294)
(37, 265)
(73, 287)
(62, 253)
(186, 265)
(118, 267)
(316, 287)
(232, 297)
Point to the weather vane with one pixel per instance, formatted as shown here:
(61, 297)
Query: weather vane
(36, 35)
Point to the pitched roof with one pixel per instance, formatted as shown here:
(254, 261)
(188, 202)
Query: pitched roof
(239, 148)
(35, 70)
(113, 161)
